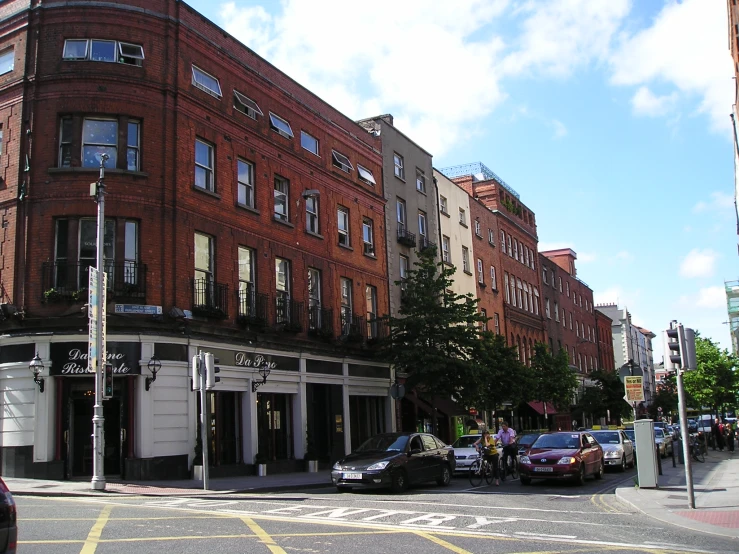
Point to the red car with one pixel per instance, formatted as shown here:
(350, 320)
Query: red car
(8, 528)
(563, 455)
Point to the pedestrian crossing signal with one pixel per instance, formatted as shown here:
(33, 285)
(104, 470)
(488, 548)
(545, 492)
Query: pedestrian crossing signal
(108, 382)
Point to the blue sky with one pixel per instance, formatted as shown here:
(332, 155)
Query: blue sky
(609, 117)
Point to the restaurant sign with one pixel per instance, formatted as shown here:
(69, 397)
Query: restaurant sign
(70, 358)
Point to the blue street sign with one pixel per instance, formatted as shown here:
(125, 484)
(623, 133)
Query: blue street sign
(138, 309)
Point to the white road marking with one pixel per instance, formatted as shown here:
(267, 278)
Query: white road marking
(545, 535)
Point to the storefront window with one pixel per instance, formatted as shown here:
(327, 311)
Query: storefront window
(274, 422)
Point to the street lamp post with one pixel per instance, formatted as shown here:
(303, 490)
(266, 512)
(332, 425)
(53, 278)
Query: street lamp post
(98, 421)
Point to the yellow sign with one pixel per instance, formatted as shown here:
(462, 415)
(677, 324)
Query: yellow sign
(634, 389)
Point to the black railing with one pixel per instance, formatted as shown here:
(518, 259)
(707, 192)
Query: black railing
(405, 237)
(352, 326)
(252, 307)
(378, 328)
(321, 321)
(424, 243)
(288, 312)
(63, 280)
(209, 298)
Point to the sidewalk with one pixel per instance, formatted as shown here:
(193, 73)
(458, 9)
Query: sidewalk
(270, 483)
(716, 488)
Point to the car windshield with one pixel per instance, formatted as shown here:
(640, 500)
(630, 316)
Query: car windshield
(630, 434)
(527, 439)
(659, 433)
(382, 443)
(558, 441)
(465, 442)
(607, 437)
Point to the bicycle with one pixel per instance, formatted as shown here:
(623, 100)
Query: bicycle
(480, 469)
(698, 450)
(512, 468)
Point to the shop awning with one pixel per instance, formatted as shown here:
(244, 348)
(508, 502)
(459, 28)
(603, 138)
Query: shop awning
(539, 407)
(445, 406)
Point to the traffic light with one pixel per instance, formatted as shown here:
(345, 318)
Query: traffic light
(210, 371)
(108, 382)
(196, 372)
(679, 346)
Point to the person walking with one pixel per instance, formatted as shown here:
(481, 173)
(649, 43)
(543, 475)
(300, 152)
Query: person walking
(730, 435)
(489, 452)
(715, 433)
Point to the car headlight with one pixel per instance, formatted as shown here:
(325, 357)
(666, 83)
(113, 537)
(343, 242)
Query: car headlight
(612, 453)
(472, 457)
(378, 465)
(337, 466)
(567, 460)
(524, 460)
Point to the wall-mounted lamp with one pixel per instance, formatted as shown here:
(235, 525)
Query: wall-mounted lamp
(264, 372)
(37, 366)
(154, 366)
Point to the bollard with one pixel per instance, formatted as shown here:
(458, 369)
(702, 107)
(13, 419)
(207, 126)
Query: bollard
(659, 461)
(674, 445)
(680, 455)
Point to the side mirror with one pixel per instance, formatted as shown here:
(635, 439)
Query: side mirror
(414, 451)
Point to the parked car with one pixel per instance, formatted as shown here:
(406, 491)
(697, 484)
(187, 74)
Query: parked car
(562, 455)
(630, 433)
(464, 451)
(525, 441)
(618, 448)
(664, 442)
(8, 526)
(395, 460)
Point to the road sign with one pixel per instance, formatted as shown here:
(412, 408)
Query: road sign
(138, 309)
(634, 389)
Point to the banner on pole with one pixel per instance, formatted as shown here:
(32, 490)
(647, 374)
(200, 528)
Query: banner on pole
(634, 389)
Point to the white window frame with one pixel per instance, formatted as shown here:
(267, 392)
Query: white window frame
(493, 278)
(7, 61)
(250, 107)
(462, 217)
(312, 222)
(280, 125)
(209, 169)
(507, 290)
(480, 275)
(556, 312)
(282, 193)
(491, 237)
(133, 148)
(368, 236)
(197, 72)
(75, 58)
(443, 205)
(134, 56)
(342, 225)
(120, 55)
(478, 229)
(341, 161)
(422, 227)
(365, 175)
(113, 146)
(399, 164)
(502, 242)
(445, 255)
(420, 181)
(547, 310)
(466, 259)
(246, 186)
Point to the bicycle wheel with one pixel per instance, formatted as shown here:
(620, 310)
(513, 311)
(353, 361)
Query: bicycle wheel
(700, 454)
(489, 473)
(475, 474)
(513, 468)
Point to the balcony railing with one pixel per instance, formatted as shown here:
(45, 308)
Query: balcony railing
(288, 312)
(209, 298)
(63, 280)
(252, 307)
(321, 321)
(352, 326)
(424, 243)
(377, 329)
(405, 237)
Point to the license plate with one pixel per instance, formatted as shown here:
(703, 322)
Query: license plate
(353, 476)
(544, 469)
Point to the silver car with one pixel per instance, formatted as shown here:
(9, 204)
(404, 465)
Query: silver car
(618, 449)
(664, 442)
(465, 452)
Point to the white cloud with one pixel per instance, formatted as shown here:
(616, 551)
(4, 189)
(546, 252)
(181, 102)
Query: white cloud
(624, 256)
(645, 102)
(560, 131)
(586, 257)
(680, 49)
(719, 201)
(698, 263)
(711, 297)
(629, 299)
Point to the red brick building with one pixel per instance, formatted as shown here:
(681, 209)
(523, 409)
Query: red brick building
(606, 359)
(244, 216)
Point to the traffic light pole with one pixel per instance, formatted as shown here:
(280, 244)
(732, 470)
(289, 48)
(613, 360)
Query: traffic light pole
(682, 407)
(203, 418)
(98, 421)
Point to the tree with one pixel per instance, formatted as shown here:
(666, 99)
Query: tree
(552, 379)
(606, 397)
(665, 397)
(714, 383)
(436, 333)
(500, 376)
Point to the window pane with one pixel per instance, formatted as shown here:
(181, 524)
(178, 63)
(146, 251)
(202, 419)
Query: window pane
(131, 248)
(103, 51)
(308, 142)
(280, 124)
(97, 131)
(245, 264)
(202, 252)
(281, 274)
(132, 51)
(202, 153)
(91, 156)
(75, 50)
(204, 81)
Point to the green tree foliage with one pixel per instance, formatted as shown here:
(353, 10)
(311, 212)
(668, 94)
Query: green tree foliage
(665, 397)
(714, 383)
(436, 333)
(552, 380)
(607, 396)
(500, 376)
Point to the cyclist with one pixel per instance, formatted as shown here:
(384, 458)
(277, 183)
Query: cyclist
(487, 446)
(507, 438)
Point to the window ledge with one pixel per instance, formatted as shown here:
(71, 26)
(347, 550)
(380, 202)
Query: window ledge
(283, 222)
(421, 191)
(347, 247)
(478, 236)
(96, 171)
(491, 244)
(467, 272)
(248, 209)
(463, 225)
(311, 233)
(206, 191)
(448, 264)
(444, 213)
(370, 256)
(399, 178)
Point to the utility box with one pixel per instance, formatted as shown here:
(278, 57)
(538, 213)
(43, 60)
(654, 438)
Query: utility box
(646, 447)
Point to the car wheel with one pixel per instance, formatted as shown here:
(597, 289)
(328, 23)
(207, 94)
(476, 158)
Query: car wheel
(580, 479)
(399, 481)
(623, 464)
(525, 480)
(446, 476)
(599, 473)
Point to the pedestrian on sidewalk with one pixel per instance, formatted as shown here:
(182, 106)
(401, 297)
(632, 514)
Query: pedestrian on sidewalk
(730, 434)
(718, 439)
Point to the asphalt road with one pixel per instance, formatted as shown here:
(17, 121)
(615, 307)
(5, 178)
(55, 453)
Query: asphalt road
(546, 517)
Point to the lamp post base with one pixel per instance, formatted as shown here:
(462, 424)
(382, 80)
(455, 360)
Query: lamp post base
(98, 484)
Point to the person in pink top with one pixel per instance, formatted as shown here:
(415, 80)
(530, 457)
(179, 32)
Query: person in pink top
(507, 438)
